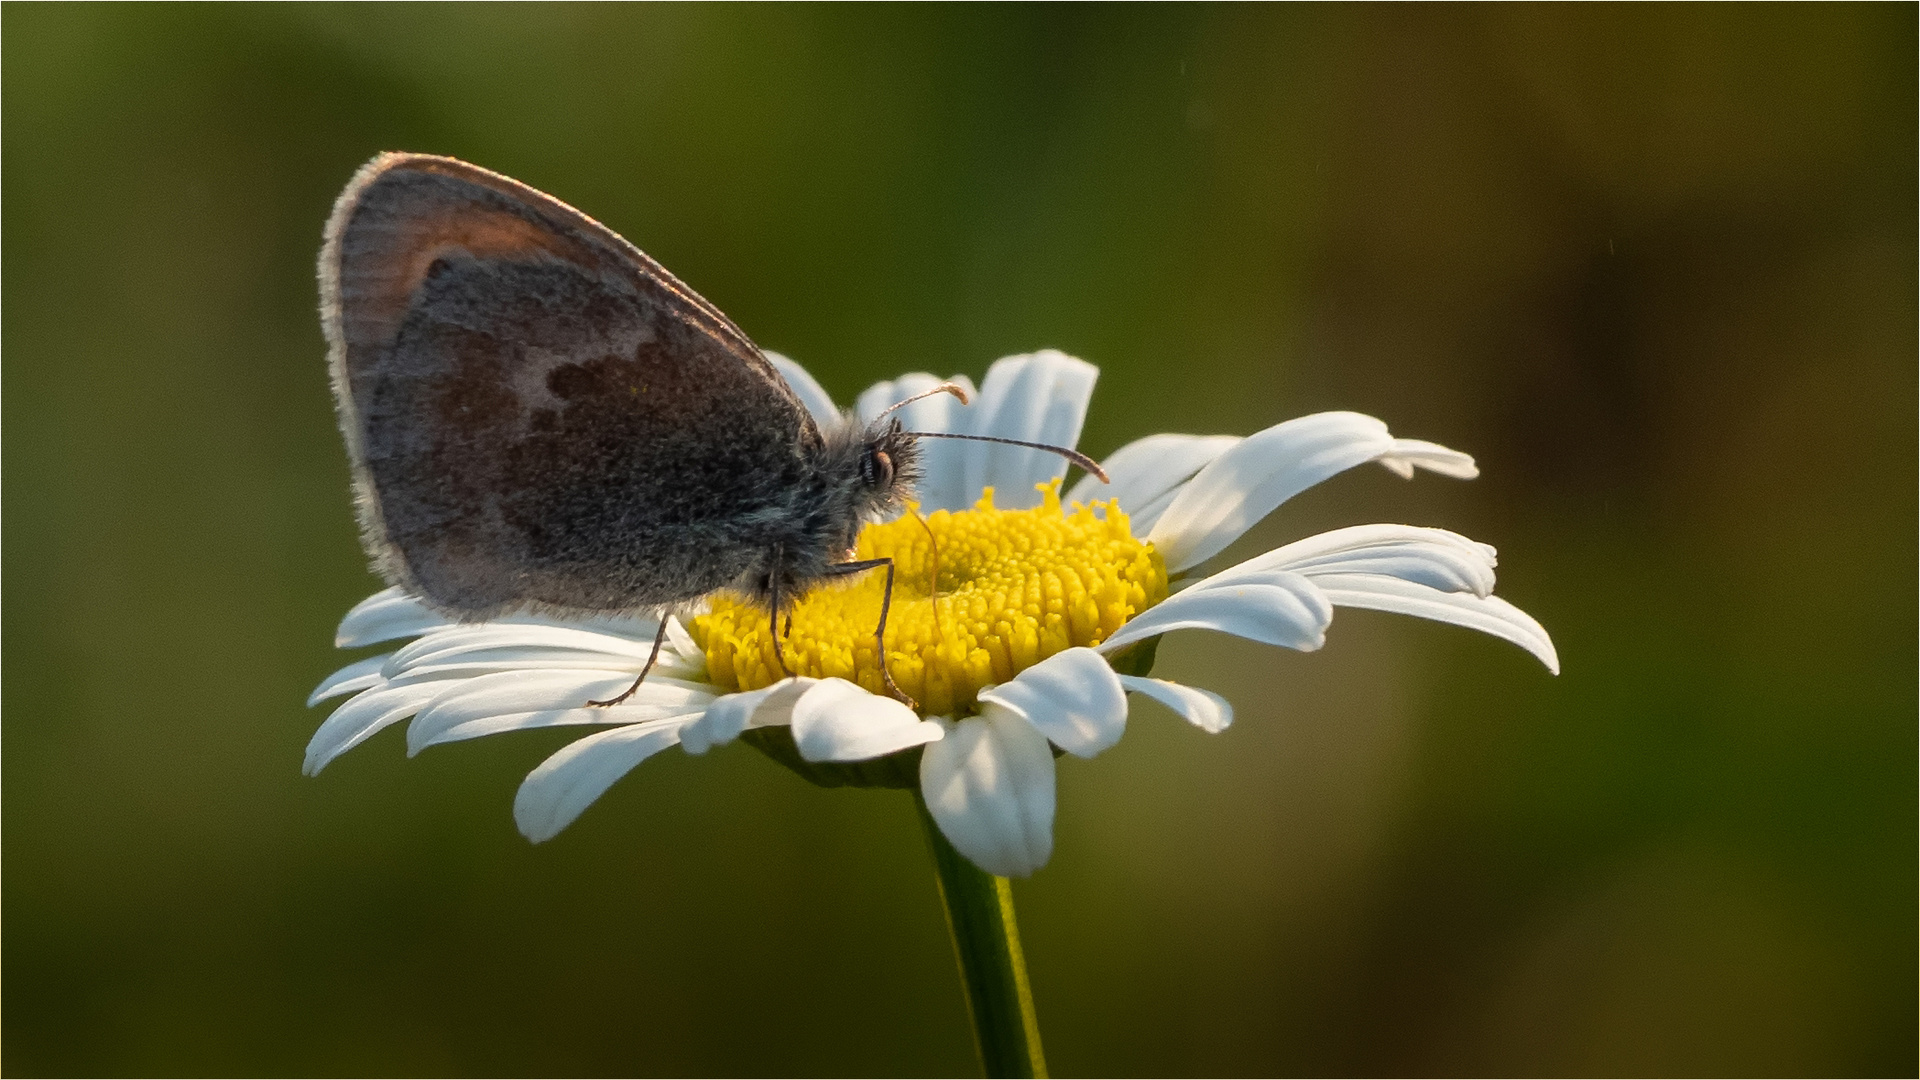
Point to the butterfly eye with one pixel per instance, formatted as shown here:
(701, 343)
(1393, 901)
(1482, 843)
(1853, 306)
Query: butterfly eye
(879, 470)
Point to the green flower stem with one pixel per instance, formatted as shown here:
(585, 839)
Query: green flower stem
(993, 970)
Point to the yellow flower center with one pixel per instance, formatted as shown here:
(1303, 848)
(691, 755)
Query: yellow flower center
(1015, 587)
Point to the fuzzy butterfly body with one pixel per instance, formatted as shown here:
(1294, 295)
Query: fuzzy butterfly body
(541, 418)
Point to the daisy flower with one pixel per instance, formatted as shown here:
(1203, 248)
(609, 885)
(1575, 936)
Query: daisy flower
(1023, 620)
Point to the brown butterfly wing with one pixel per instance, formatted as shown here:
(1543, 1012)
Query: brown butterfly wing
(539, 416)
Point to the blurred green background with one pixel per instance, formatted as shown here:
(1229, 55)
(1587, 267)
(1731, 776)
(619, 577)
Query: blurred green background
(1654, 266)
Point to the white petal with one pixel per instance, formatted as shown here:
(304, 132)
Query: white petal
(500, 646)
(392, 613)
(567, 783)
(488, 662)
(515, 635)
(634, 627)
(618, 715)
(495, 662)
(989, 785)
(1427, 566)
(1435, 557)
(1262, 471)
(1072, 697)
(355, 677)
(728, 716)
(942, 486)
(1273, 606)
(362, 716)
(838, 721)
(1203, 709)
(516, 700)
(1149, 515)
(818, 402)
(1146, 473)
(384, 616)
(1488, 614)
(1039, 397)
(1407, 454)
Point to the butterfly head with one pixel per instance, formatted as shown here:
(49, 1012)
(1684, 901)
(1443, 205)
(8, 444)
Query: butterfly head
(889, 466)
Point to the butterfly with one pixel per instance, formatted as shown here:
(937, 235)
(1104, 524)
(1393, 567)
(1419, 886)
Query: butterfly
(540, 418)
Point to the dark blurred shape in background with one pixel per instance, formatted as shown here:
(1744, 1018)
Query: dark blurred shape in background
(1655, 266)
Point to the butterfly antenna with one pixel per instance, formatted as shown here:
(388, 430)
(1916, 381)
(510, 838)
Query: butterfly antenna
(1074, 456)
(944, 388)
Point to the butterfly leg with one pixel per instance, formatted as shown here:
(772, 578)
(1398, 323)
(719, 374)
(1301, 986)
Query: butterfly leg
(658, 639)
(879, 632)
